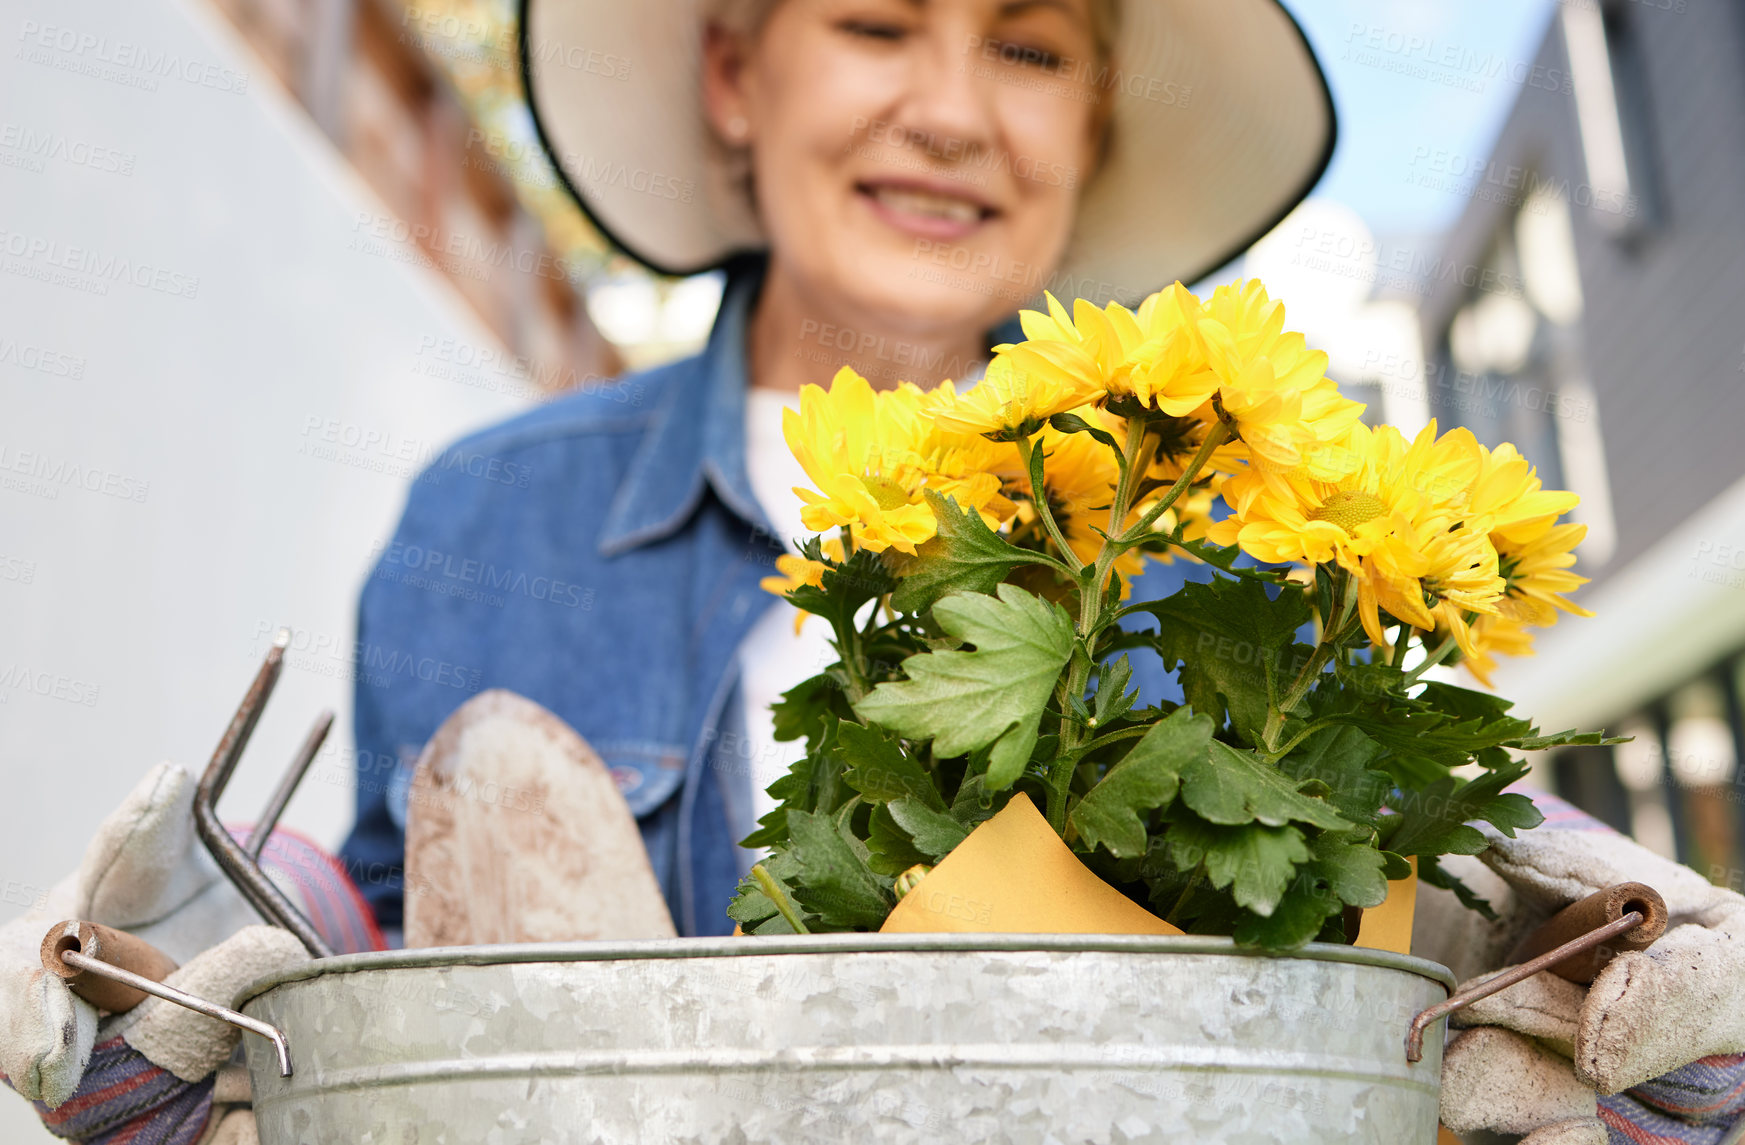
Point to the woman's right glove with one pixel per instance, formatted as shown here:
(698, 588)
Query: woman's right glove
(1650, 1052)
(92, 1075)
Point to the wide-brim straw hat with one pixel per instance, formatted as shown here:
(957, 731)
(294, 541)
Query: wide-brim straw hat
(1221, 122)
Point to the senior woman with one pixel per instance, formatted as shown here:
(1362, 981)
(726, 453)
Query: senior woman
(886, 182)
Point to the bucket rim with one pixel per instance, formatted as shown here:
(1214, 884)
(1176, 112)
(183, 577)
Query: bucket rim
(840, 943)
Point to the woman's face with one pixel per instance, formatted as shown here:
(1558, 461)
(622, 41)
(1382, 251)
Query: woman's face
(916, 162)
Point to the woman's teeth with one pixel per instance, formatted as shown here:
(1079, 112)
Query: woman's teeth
(913, 202)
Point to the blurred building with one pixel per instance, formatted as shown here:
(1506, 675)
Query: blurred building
(375, 76)
(1587, 306)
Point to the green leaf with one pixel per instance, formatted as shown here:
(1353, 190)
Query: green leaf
(1073, 423)
(1113, 698)
(811, 784)
(1255, 862)
(934, 832)
(1352, 869)
(1113, 813)
(963, 701)
(751, 907)
(831, 877)
(964, 555)
(1233, 787)
(1297, 919)
(800, 713)
(843, 588)
(1433, 820)
(878, 768)
(1435, 874)
(1236, 644)
(890, 850)
(1340, 757)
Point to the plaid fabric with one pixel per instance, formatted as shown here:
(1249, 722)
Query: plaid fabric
(123, 1099)
(323, 890)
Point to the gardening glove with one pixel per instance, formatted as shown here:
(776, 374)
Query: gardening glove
(1654, 1044)
(143, 873)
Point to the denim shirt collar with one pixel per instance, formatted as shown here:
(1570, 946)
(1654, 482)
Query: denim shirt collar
(697, 438)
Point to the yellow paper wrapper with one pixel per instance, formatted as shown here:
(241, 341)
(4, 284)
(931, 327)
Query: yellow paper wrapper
(1389, 926)
(1014, 875)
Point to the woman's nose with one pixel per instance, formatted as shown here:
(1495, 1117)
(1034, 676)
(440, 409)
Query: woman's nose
(948, 108)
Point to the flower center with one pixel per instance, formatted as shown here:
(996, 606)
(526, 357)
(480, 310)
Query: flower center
(1350, 509)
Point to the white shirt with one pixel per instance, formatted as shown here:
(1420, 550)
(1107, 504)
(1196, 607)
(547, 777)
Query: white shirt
(773, 658)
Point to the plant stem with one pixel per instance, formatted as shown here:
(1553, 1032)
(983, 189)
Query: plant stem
(1193, 883)
(774, 891)
(1402, 641)
(1216, 436)
(1331, 634)
(1433, 659)
(1031, 456)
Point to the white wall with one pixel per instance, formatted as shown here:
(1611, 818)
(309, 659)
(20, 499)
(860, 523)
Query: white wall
(146, 137)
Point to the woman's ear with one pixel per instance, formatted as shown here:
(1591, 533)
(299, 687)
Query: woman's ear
(725, 62)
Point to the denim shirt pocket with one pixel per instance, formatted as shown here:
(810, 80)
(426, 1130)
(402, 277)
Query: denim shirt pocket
(646, 772)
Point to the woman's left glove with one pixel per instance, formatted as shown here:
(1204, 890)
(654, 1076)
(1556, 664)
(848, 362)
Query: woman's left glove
(143, 872)
(1655, 1045)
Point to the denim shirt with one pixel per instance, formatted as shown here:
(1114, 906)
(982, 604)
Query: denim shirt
(599, 555)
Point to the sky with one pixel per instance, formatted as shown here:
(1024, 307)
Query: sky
(1410, 78)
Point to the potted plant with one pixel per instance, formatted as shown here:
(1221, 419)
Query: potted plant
(975, 564)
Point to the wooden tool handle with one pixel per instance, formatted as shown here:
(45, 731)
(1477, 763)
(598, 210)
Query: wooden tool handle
(1591, 913)
(117, 948)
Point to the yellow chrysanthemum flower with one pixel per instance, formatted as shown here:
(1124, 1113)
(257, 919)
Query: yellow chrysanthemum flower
(1395, 521)
(1270, 385)
(1011, 403)
(873, 454)
(1537, 573)
(1506, 497)
(1153, 359)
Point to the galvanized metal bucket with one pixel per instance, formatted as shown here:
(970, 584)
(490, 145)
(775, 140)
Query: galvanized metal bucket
(853, 1037)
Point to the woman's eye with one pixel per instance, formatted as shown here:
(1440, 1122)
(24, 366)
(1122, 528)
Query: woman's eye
(874, 30)
(1027, 56)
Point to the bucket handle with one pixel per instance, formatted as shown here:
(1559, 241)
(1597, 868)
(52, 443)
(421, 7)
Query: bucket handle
(1627, 916)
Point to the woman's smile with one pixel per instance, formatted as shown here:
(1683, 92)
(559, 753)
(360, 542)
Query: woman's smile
(925, 208)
